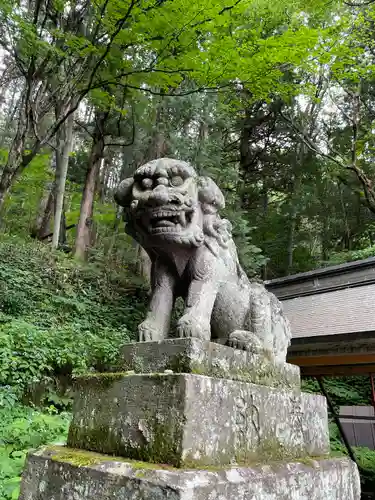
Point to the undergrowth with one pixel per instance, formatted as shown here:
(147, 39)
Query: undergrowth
(21, 429)
(57, 318)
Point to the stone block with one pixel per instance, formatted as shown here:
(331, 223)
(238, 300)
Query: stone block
(184, 419)
(192, 355)
(63, 474)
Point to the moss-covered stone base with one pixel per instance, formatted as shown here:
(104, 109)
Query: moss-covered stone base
(181, 419)
(59, 473)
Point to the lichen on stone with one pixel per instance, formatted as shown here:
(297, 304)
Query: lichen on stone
(163, 447)
(84, 458)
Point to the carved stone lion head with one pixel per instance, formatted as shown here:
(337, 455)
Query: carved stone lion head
(166, 201)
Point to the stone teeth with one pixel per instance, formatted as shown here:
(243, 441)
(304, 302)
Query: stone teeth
(160, 215)
(182, 219)
(166, 229)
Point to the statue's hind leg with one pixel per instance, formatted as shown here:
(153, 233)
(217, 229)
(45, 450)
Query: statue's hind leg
(245, 340)
(256, 335)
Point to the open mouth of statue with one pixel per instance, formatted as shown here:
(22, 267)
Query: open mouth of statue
(169, 221)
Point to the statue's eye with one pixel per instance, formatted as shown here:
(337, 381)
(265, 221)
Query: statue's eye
(177, 181)
(147, 183)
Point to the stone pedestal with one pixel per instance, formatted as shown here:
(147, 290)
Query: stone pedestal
(187, 419)
(64, 474)
(200, 357)
(218, 434)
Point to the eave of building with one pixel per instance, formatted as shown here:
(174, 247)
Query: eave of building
(328, 279)
(347, 354)
(342, 352)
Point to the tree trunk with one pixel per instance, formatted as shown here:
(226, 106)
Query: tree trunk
(325, 240)
(45, 211)
(15, 163)
(291, 235)
(82, 242)
(83, 237)
(144, 265)
(293, 209)
(62, 232)
(64, 141)
(265, 215)
(158, 147)
(104, 176)
(108, 250)
(8, 122)
(202, 138)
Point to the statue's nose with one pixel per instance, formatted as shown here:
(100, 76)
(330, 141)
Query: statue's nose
(158, 196)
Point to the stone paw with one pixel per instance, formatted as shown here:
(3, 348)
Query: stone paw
(149, 332)
(188, 326)
(247, 341)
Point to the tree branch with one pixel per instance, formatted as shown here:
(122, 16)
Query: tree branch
(77, 122)
(362, 4)
(313, 147)
(361, 176)
(109, 45)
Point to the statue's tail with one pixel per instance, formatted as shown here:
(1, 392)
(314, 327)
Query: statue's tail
(282, 334)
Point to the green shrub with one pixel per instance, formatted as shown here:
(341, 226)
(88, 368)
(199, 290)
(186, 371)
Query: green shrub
(23, 429)
(58, 317)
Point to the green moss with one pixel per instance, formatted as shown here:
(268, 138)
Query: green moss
(99, 380)
(83, 458)
(163, 448)
(182, 363)
(80, 458)
(272, 449)
(137, 364)
(262, 374)
(269, 451)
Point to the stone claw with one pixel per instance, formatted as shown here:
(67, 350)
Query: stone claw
(188, 327)
(148, 332)
(246, 341)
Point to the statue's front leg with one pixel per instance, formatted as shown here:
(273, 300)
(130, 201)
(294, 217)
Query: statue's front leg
(157, 323)
(201, 296)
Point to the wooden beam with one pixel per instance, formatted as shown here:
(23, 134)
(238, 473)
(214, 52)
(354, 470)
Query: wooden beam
(337, 370)
(333, 359)
(357, 417)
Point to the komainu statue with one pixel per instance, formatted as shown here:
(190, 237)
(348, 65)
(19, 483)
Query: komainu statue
(174, 215)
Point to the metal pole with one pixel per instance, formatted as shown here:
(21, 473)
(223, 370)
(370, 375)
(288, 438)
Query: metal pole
(372, 390)
(336, 419)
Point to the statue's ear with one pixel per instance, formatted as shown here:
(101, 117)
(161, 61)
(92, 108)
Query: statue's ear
(123, 192)
(210, 196)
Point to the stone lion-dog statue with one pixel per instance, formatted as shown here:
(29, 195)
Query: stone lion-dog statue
(174, 215)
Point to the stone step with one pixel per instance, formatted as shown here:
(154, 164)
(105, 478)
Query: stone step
(63, 474)
(191, 355)
(188, 419)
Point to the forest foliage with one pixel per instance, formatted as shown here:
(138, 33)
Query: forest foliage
(273, 99)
